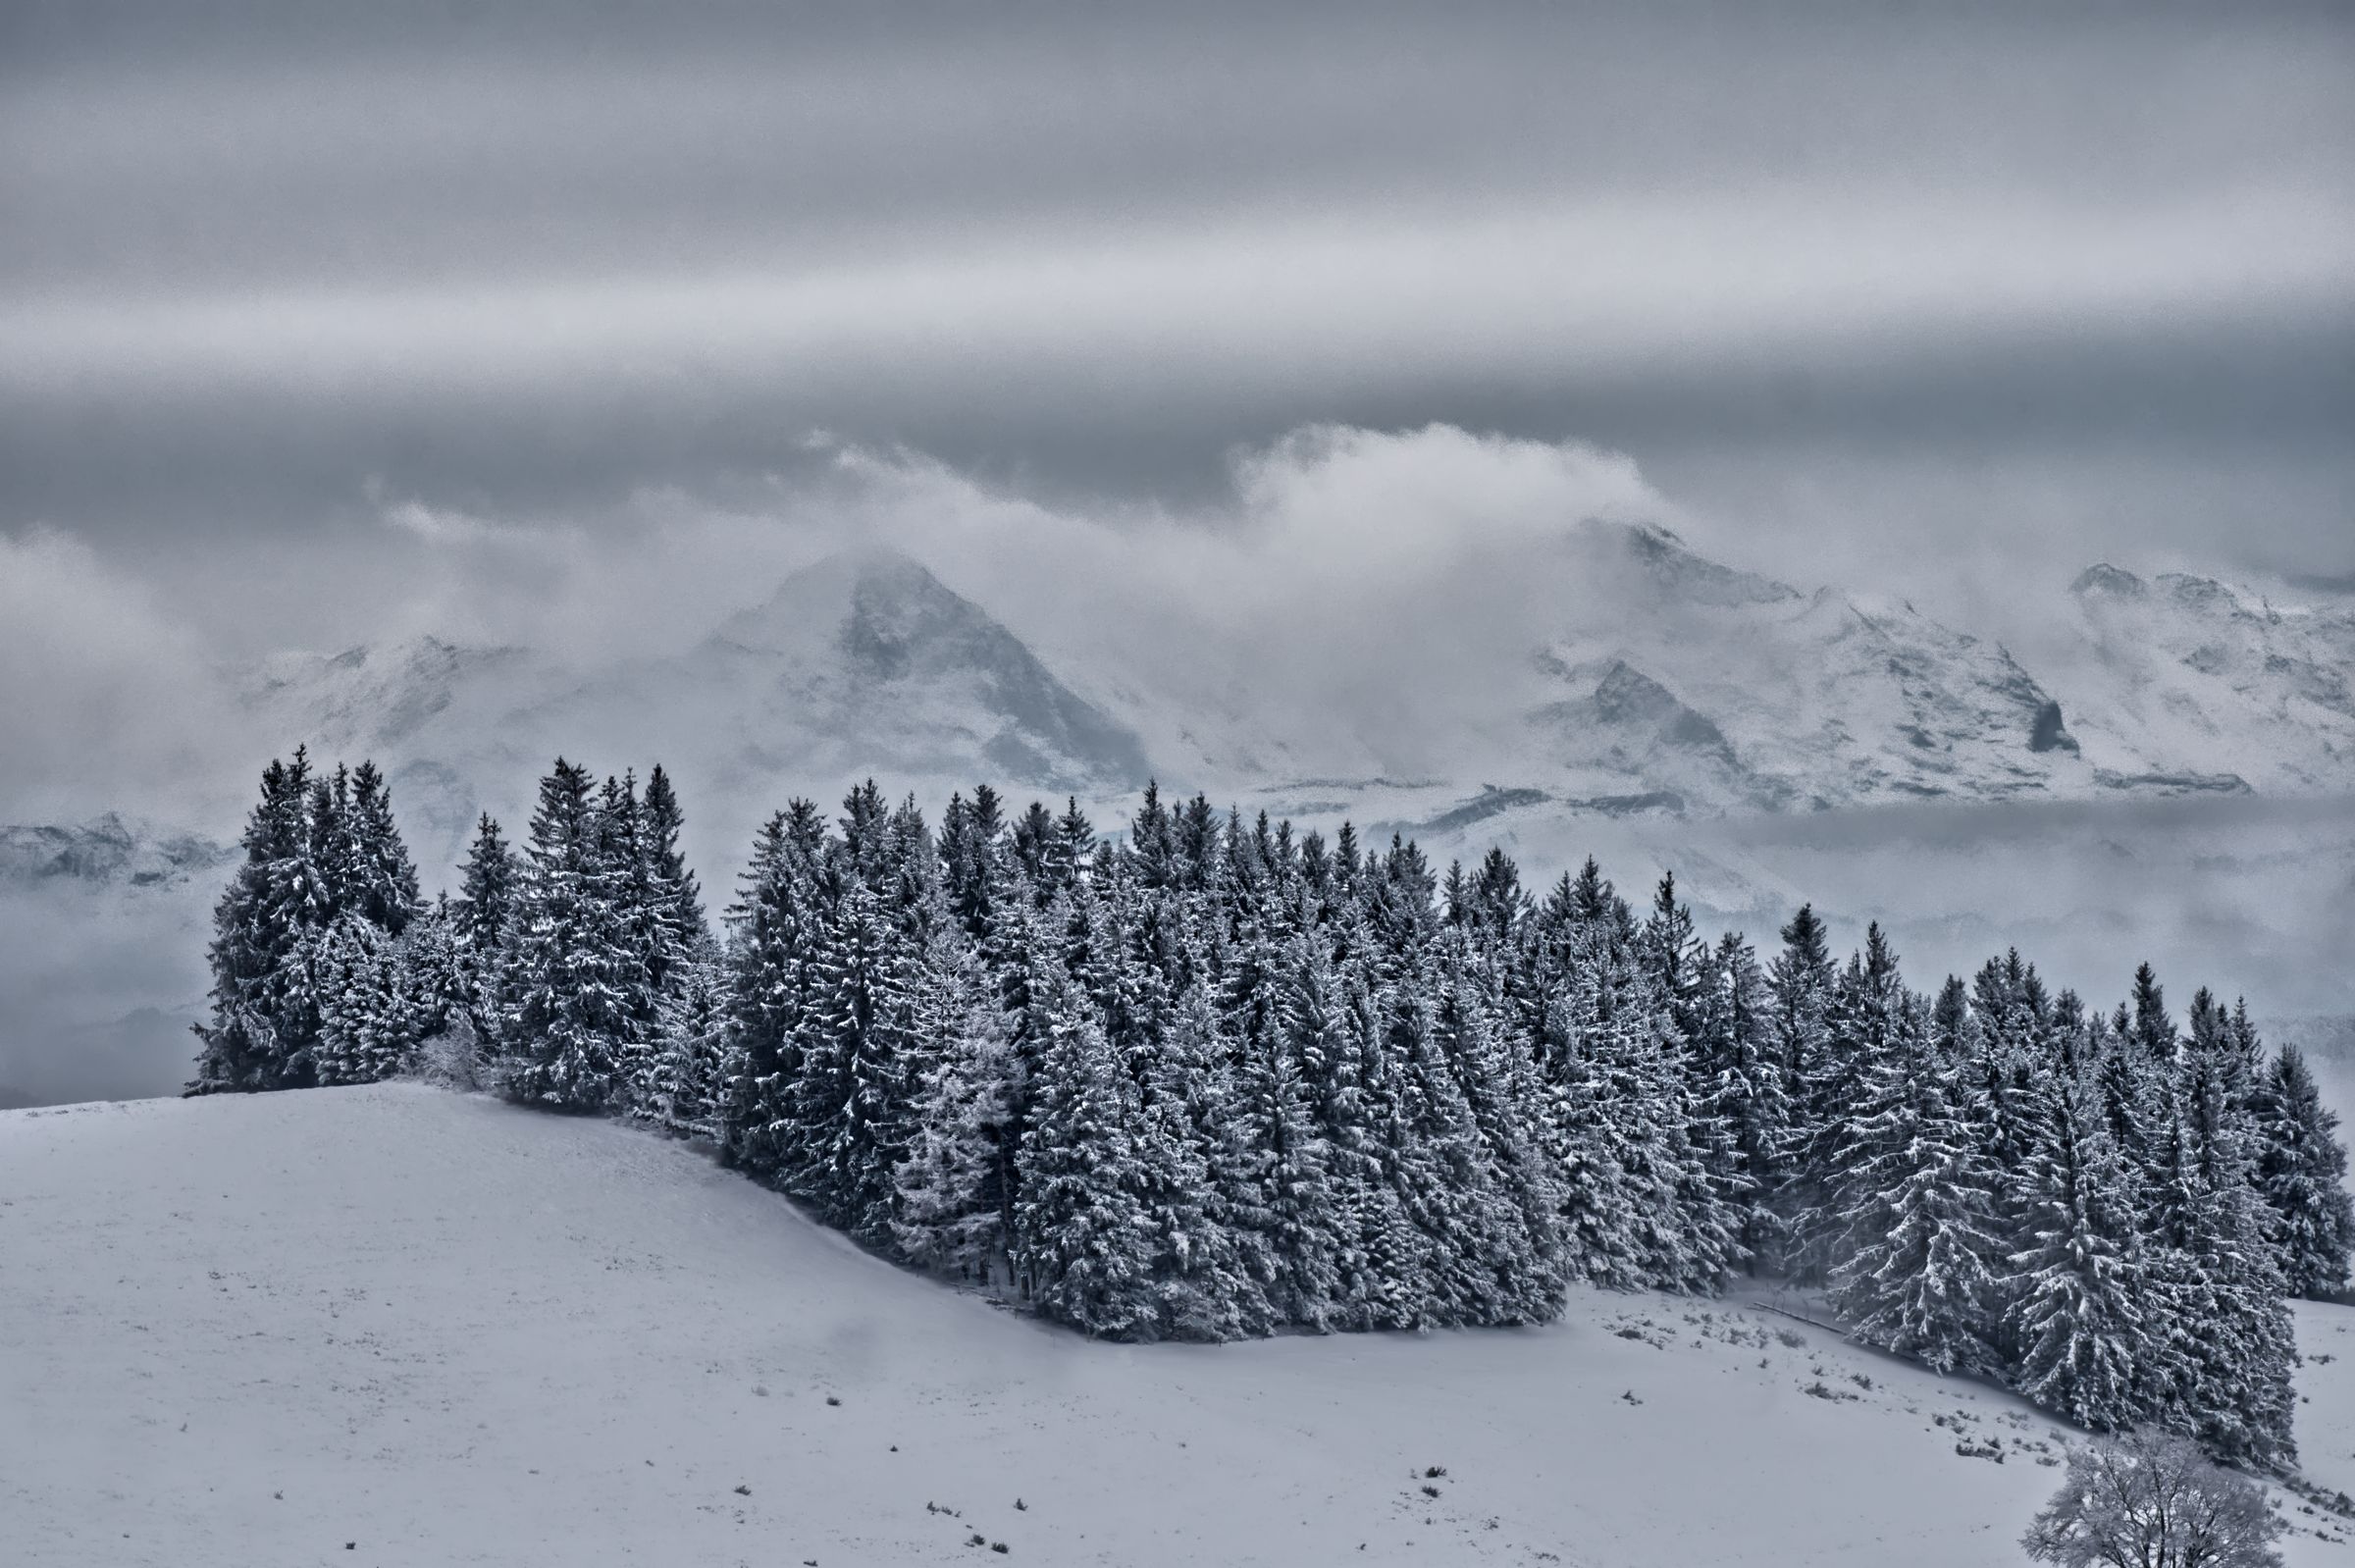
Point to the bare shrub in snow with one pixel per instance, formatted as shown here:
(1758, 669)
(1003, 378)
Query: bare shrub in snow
(452, 1057)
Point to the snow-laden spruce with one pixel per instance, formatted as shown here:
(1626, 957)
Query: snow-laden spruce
(1218, 1081)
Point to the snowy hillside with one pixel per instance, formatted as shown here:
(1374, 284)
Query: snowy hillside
(435, 1329)
(2193, 668)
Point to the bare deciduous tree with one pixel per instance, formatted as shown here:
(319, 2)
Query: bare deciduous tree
(2147, 1501)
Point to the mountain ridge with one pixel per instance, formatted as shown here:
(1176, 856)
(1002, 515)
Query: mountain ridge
(1660, 681)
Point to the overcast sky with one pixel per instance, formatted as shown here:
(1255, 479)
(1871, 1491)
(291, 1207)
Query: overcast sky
(1932, 298)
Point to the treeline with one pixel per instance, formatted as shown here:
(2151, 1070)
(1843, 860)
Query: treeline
(1219, 1079)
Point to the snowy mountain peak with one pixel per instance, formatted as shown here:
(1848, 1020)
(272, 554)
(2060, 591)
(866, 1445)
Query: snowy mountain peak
(871, 653)
(808, 608)
(2104, 579)
(1655, 559)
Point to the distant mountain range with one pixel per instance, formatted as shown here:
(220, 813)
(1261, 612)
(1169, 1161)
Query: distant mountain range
(1663, 683)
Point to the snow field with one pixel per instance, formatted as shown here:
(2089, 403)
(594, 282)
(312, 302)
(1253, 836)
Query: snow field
(253, 1330)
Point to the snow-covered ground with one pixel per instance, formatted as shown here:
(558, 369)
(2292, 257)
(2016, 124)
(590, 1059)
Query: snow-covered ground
(399, 1326)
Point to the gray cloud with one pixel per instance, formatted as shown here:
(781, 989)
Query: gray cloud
(1943, 298)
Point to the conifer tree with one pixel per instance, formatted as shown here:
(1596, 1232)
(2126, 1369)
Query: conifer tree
(2080, 1292)
(480, 920)
(1913, 1273)
(859, 1067)
(675, 897)
(265, 1009)
(1864, 1019)
(1201, 1188)
(2232, 1347)
(685, 1090)
(378, 879)
(2301, 1174)
(566, 984)
(1297, 1215)
(775, 923)
(1521, 1249)
(1086, 1242)
(1740, 1086)
(951, 1208)
(366, 1020)
(1799, 983)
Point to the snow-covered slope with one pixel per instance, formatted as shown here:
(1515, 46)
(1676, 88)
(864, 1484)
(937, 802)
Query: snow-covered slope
(1674, 675)
(393, 1324)
(2188, 671)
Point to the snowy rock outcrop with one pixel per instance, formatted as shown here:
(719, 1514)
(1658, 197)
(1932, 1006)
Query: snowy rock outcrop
(105, 851)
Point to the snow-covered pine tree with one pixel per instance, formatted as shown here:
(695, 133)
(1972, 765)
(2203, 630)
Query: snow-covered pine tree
(1330, 1021)
(363, 1026)
(1912, 1273)
(1081, 1224)
(330, 844)
(625, 868)
(774, 923)
(861, 1065)
(1298, 1217)
(1444, 1176)
(2302, 1174)
(1950, 1023)
(1740, 1087)
(1867, 1010)
(685, 1090)
(951, 1209)
(1385, 1266)
(1201, 1187)
(2080, 1294)
(1032, 841)
(480, 920)
(1619, 1108)
(379, 880)
(2007, 1090)
(1800, 982)
(569, 983)
(2233, 1347)
(265, 1007)
(1521, 1248)
(437, 994)
(673, 894)
(1153, 842)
